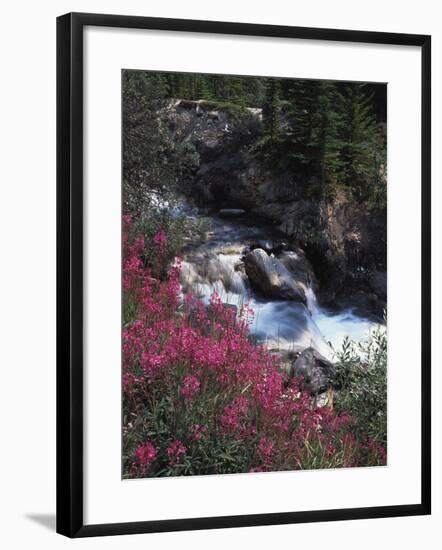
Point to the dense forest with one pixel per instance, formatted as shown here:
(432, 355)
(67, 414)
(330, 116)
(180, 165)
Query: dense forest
(331, 134)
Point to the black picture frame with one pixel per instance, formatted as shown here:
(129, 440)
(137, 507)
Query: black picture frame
(70, 273)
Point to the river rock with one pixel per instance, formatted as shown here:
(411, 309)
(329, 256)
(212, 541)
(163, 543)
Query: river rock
(271, 246)
(317, 372)
(266, 245)
(231, 212)
(269, 276)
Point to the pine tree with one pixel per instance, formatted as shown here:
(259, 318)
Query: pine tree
(310, 142)
(358, 133)
(302, 102)
(326, 138)
(271, 116)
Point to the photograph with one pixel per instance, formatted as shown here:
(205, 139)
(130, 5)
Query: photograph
(254, 274)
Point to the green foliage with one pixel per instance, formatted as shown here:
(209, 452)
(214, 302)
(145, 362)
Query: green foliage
(311, 141)
(361, 147)
(145, 144)
(178, 228)
(167, 418)
(271, 113)
(153, 161)
(237, 90)
(362, 373)
(327, 135)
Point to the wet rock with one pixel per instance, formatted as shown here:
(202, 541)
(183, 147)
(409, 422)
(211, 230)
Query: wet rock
(298, 265)
(271, 246)
(280, 246)
(317, 372)
(231, 212)
(266, 245)
(269, 277)
(239, 266)
(187, 104)
(378, 283)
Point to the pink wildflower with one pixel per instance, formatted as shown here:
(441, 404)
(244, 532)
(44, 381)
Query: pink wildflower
(176, 451)
(265, 450)
(196, 432)
(145, 454)
(234, 414)
(191, 386)
(160, 240)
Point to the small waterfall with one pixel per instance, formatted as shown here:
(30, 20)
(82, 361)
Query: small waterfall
(337, 326)
(216, 273)
(312, 302)
(215, 265)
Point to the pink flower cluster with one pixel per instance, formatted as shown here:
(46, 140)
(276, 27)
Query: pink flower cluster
(160, 240)
(191, 386)
(265, 450)
(176, 451)
(234, 415)
(196, 432)
(145, 454)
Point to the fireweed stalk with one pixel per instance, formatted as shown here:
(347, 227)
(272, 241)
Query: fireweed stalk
(199, 397)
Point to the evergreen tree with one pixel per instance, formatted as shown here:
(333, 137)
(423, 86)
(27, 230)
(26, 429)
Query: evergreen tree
(254, 91)
(310, 142)
(271, 116)
(359, 136)
(326, 139)
(301, 105)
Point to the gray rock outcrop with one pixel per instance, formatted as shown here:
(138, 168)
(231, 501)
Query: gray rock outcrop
(317, 372)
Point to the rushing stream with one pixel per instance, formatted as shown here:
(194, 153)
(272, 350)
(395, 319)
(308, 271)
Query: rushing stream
(215, 265)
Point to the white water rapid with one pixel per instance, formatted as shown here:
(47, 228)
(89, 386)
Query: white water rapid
(216, 266)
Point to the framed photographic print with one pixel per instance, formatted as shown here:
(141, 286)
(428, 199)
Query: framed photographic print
(243, 274)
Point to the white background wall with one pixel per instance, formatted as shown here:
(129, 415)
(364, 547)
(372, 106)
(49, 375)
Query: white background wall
(27, 299)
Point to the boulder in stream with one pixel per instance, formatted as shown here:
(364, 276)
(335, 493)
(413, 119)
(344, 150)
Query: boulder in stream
(269, 277)
(231, 212)
(317, 372)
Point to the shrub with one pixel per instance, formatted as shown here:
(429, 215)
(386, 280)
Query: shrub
(362, 373)
(199, 397)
